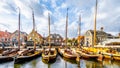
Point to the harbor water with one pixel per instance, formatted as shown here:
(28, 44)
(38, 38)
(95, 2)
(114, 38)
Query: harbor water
(63, 63)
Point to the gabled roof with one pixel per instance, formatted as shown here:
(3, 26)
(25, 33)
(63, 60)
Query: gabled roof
(4, 34)
(98, 32)
(36, 33)
(20, 32)
(55, 35)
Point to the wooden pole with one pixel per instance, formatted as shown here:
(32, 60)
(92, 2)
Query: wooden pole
(79, 26)
(19, 30)
(95, 17)
(79, 30)
(33, 20)
(49, 28)
(66, 28)
(34, 30)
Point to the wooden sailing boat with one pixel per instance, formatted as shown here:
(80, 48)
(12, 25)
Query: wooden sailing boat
(49, 55)
(85, 52)
(67, 52)
(8, 55)
(110, 54)
(27, 54)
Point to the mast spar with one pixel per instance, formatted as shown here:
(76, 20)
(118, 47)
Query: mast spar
(95, 17)
(33, 20)
(66, 28)
(79, 26)
(19, 30)
(79, 29)
(49, 27)
(33, 29)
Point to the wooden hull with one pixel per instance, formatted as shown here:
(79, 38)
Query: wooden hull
(69, 56)
(88, 56)
(22, 59)
(107, 56)
(66, 55)
(49, 58)
(112, 56)
(60, 51)
(5, 59)
(116, 58)
(8, 56)
(70, 61)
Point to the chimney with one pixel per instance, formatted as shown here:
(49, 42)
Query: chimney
(101, 28)
(6, 31)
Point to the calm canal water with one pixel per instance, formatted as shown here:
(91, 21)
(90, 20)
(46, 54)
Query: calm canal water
(63, 63)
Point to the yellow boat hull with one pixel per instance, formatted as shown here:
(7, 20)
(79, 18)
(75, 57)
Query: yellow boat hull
(49, 58)
(66, 55)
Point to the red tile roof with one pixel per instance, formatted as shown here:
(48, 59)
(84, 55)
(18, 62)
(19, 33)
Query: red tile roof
(4, 34)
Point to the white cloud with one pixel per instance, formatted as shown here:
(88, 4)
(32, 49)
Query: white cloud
(63, 5)
(53, 3)
(108, 14)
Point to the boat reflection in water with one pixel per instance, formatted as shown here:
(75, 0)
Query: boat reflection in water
(63, 63)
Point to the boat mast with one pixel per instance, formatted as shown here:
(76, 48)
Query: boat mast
(79, 26)
(66, 28)
(33, 29)
(19, 30)
(49, 28)
(33, 20)
(79, 30)
(95, 17)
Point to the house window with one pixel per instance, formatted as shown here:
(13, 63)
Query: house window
(87, 38)
(57, 36)
(21, 39)
(16, 34)
(2, 39)
(87, 34)
(33, 34)
(51, 36)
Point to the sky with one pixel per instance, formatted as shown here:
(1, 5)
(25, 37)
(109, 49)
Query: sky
(108, 16)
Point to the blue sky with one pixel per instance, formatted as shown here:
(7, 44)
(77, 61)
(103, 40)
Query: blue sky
(108, 15)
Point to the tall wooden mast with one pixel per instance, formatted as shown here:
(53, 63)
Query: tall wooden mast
(19, 30)
(79, 26)
(49, 28)
(79, 30)
(34, 29)
(95, 17)
(33, 20)
(66, 28)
